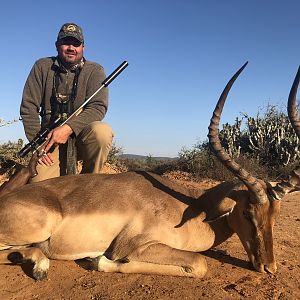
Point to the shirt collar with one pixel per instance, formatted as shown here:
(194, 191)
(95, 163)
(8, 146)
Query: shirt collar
(59, 65)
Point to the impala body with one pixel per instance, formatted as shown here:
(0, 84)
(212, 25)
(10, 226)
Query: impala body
(139, 222)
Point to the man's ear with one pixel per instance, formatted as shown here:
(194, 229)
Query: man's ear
(56, 45)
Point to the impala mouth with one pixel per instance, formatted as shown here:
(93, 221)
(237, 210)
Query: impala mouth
(270, 268)
(259, 267)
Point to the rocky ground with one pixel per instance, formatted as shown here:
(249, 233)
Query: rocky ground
(229, 275)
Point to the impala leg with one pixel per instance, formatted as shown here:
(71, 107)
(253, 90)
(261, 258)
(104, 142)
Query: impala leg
(157, 259)
(35, 255)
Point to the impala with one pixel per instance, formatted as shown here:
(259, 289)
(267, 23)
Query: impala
(139, 222)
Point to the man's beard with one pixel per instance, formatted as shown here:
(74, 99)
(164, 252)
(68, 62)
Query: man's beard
(71, 65)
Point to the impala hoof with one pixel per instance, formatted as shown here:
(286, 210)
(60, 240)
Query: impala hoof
(94, 262)
(40, 269)
(40, 274)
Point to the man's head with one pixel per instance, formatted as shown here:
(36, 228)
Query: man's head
(70, 44)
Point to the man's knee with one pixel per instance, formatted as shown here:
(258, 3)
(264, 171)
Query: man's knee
(98, 132)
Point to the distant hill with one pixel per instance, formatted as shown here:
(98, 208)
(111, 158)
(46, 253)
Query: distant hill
(144, 158)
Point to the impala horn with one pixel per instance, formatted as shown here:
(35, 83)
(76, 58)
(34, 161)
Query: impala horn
(293, 180)
(214, 141)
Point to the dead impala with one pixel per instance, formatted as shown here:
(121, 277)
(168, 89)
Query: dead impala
(139, 222)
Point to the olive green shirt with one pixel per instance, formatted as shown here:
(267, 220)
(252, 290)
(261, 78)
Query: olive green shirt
(38, 91)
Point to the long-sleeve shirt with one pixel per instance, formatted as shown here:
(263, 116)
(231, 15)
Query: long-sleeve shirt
(38, 92)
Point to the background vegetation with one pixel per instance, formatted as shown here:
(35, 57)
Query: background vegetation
(265, 145)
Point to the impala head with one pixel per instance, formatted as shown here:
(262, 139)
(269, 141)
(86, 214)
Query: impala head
(257, 206)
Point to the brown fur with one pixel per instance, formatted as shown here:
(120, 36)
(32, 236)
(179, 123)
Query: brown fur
(138, 220)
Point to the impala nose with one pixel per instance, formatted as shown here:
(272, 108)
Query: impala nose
(270, 267)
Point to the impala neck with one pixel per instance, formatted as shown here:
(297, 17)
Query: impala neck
(206, 235)
(221, 230)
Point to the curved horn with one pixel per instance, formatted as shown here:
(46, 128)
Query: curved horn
(213, 135)
(284, 187)
(292, 111)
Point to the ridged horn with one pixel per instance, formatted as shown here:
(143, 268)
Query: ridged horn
(213, 135)
(284, 187)
(292, 111)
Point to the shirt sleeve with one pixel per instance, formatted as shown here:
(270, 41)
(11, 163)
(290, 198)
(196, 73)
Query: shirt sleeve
(31, 102)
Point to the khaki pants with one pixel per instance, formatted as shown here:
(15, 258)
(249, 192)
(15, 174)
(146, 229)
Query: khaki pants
(92, 144)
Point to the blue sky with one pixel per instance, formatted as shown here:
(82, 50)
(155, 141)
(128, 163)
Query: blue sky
(180, 52)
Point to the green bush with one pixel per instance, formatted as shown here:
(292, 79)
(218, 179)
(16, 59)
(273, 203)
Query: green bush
(150, 164)
(9, 160)
(202, 164)
(9, 151)
(266, 146)
(269, 138)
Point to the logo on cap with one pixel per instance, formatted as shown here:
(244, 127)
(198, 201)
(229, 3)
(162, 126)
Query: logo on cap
(71, 28)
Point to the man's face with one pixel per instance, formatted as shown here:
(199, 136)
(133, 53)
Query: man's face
(70, 50)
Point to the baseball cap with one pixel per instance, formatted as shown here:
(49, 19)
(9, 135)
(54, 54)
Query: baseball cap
(70, 29)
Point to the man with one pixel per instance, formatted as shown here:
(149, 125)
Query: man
(56, 86)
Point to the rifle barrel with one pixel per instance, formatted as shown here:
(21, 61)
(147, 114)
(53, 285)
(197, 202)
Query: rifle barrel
(104, 84)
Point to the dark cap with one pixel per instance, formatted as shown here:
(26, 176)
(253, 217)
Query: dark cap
(70, 29)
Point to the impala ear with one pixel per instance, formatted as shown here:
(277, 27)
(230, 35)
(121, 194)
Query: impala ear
(32, 164)
(220, 210)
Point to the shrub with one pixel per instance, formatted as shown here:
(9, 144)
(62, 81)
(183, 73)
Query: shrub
(269, 138)
(266, 146)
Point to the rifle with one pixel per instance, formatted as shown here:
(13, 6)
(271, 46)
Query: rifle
(41, 137)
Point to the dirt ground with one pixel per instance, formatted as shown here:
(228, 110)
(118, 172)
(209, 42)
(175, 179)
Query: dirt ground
(229, 275)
